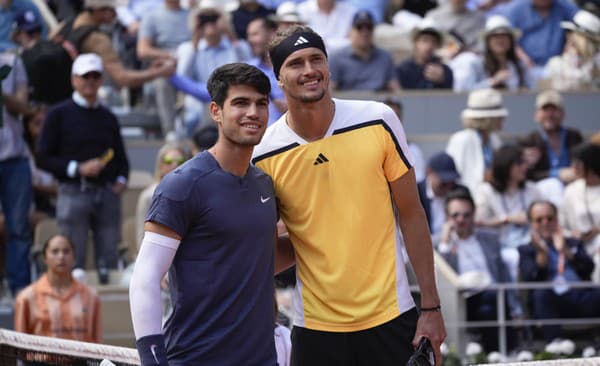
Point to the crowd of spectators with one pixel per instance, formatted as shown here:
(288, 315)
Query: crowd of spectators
(484, 197)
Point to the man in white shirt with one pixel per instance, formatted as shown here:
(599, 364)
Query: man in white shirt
(331, 19)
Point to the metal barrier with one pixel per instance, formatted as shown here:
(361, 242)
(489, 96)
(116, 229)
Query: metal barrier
(454, 306)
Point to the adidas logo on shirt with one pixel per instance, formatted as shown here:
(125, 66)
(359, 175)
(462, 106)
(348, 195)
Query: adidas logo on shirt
(321, 159)
(300, 40)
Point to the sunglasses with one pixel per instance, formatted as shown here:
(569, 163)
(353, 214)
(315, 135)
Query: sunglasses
(466, 215)
(540, 219)
(170, 160)
(205, 19)
(368, 27)
(92, 75)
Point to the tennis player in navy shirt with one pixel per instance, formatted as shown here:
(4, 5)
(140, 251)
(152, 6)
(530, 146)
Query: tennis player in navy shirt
(212, 225)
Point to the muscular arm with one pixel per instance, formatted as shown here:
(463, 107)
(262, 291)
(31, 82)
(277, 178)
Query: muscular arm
(146, 50)
(413, 223)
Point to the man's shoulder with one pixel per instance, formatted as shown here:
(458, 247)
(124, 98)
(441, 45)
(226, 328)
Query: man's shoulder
(178, 184)
(277, 139)
(65, 105)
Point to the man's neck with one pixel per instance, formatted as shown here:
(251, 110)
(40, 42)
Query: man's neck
(232, 158)
(422, 59)
(362, 52)
(173, 6)
(310, 120)
(266, 60)
(327, 9)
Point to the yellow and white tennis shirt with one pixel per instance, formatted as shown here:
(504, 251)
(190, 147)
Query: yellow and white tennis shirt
(335, 200)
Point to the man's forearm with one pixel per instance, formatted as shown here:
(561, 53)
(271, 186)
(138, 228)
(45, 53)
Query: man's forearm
(14, 105)
(420, 251)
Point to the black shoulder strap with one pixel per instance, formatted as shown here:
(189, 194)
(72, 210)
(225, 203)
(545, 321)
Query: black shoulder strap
(72, 39)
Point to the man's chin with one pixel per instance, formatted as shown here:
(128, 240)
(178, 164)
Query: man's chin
(312, 98)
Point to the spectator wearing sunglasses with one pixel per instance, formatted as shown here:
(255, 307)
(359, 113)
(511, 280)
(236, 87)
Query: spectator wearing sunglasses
(169, 157)
(476, 252)
(553, 257)
(362, 65)
(81, 146)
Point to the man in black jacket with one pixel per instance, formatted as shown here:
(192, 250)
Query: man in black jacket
(81, 146)
(552, 257)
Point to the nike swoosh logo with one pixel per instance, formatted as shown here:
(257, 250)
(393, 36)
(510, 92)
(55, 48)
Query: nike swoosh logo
(153, 350)
(264, 200)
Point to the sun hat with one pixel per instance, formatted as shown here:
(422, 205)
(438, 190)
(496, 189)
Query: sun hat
(497, 24)
(484, 103)
(585, 23)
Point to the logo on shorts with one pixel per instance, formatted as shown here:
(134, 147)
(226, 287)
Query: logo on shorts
(321, 159)
(264, 200)
(300, 40)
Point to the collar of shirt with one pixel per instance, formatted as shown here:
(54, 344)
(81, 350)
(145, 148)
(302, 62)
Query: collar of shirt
(203, 45)
(80, 101)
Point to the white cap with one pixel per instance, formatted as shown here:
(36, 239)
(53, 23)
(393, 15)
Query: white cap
(586, 23)
(86, 62)
(287, 12)
(484, 103)
(94, 4)
(428, 25)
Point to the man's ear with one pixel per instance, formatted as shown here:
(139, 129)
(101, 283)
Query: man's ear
(215, 112)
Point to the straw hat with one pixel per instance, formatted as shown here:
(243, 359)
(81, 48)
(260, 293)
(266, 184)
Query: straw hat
(428, 26)
(484, 103)
(497, 24)
(585, 23)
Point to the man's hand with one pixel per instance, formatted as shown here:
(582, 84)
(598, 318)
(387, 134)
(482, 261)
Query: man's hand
(447, 230)
(500, 77)
(431, 325)
(119, 187)
(91, 168)
(434, 72)
(164, 67)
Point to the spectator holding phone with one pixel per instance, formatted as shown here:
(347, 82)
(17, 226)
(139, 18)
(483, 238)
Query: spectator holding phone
(81, 146)
(425, 70)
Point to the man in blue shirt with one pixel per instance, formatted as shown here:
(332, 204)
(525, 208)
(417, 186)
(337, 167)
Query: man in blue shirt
(260, 32)
(9, 9)
(212, 225)
(539, 22)
(552, 257)
(362, 65)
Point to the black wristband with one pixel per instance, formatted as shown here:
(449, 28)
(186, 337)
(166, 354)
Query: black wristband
(433, 308)
(152, 350)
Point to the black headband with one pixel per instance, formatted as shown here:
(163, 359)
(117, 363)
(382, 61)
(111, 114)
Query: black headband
(294, 42)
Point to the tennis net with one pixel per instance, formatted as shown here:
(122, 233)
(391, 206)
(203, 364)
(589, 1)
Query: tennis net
(25, 349)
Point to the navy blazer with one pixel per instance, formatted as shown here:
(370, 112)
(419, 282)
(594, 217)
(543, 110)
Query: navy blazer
(490, 245)
(529, 271)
